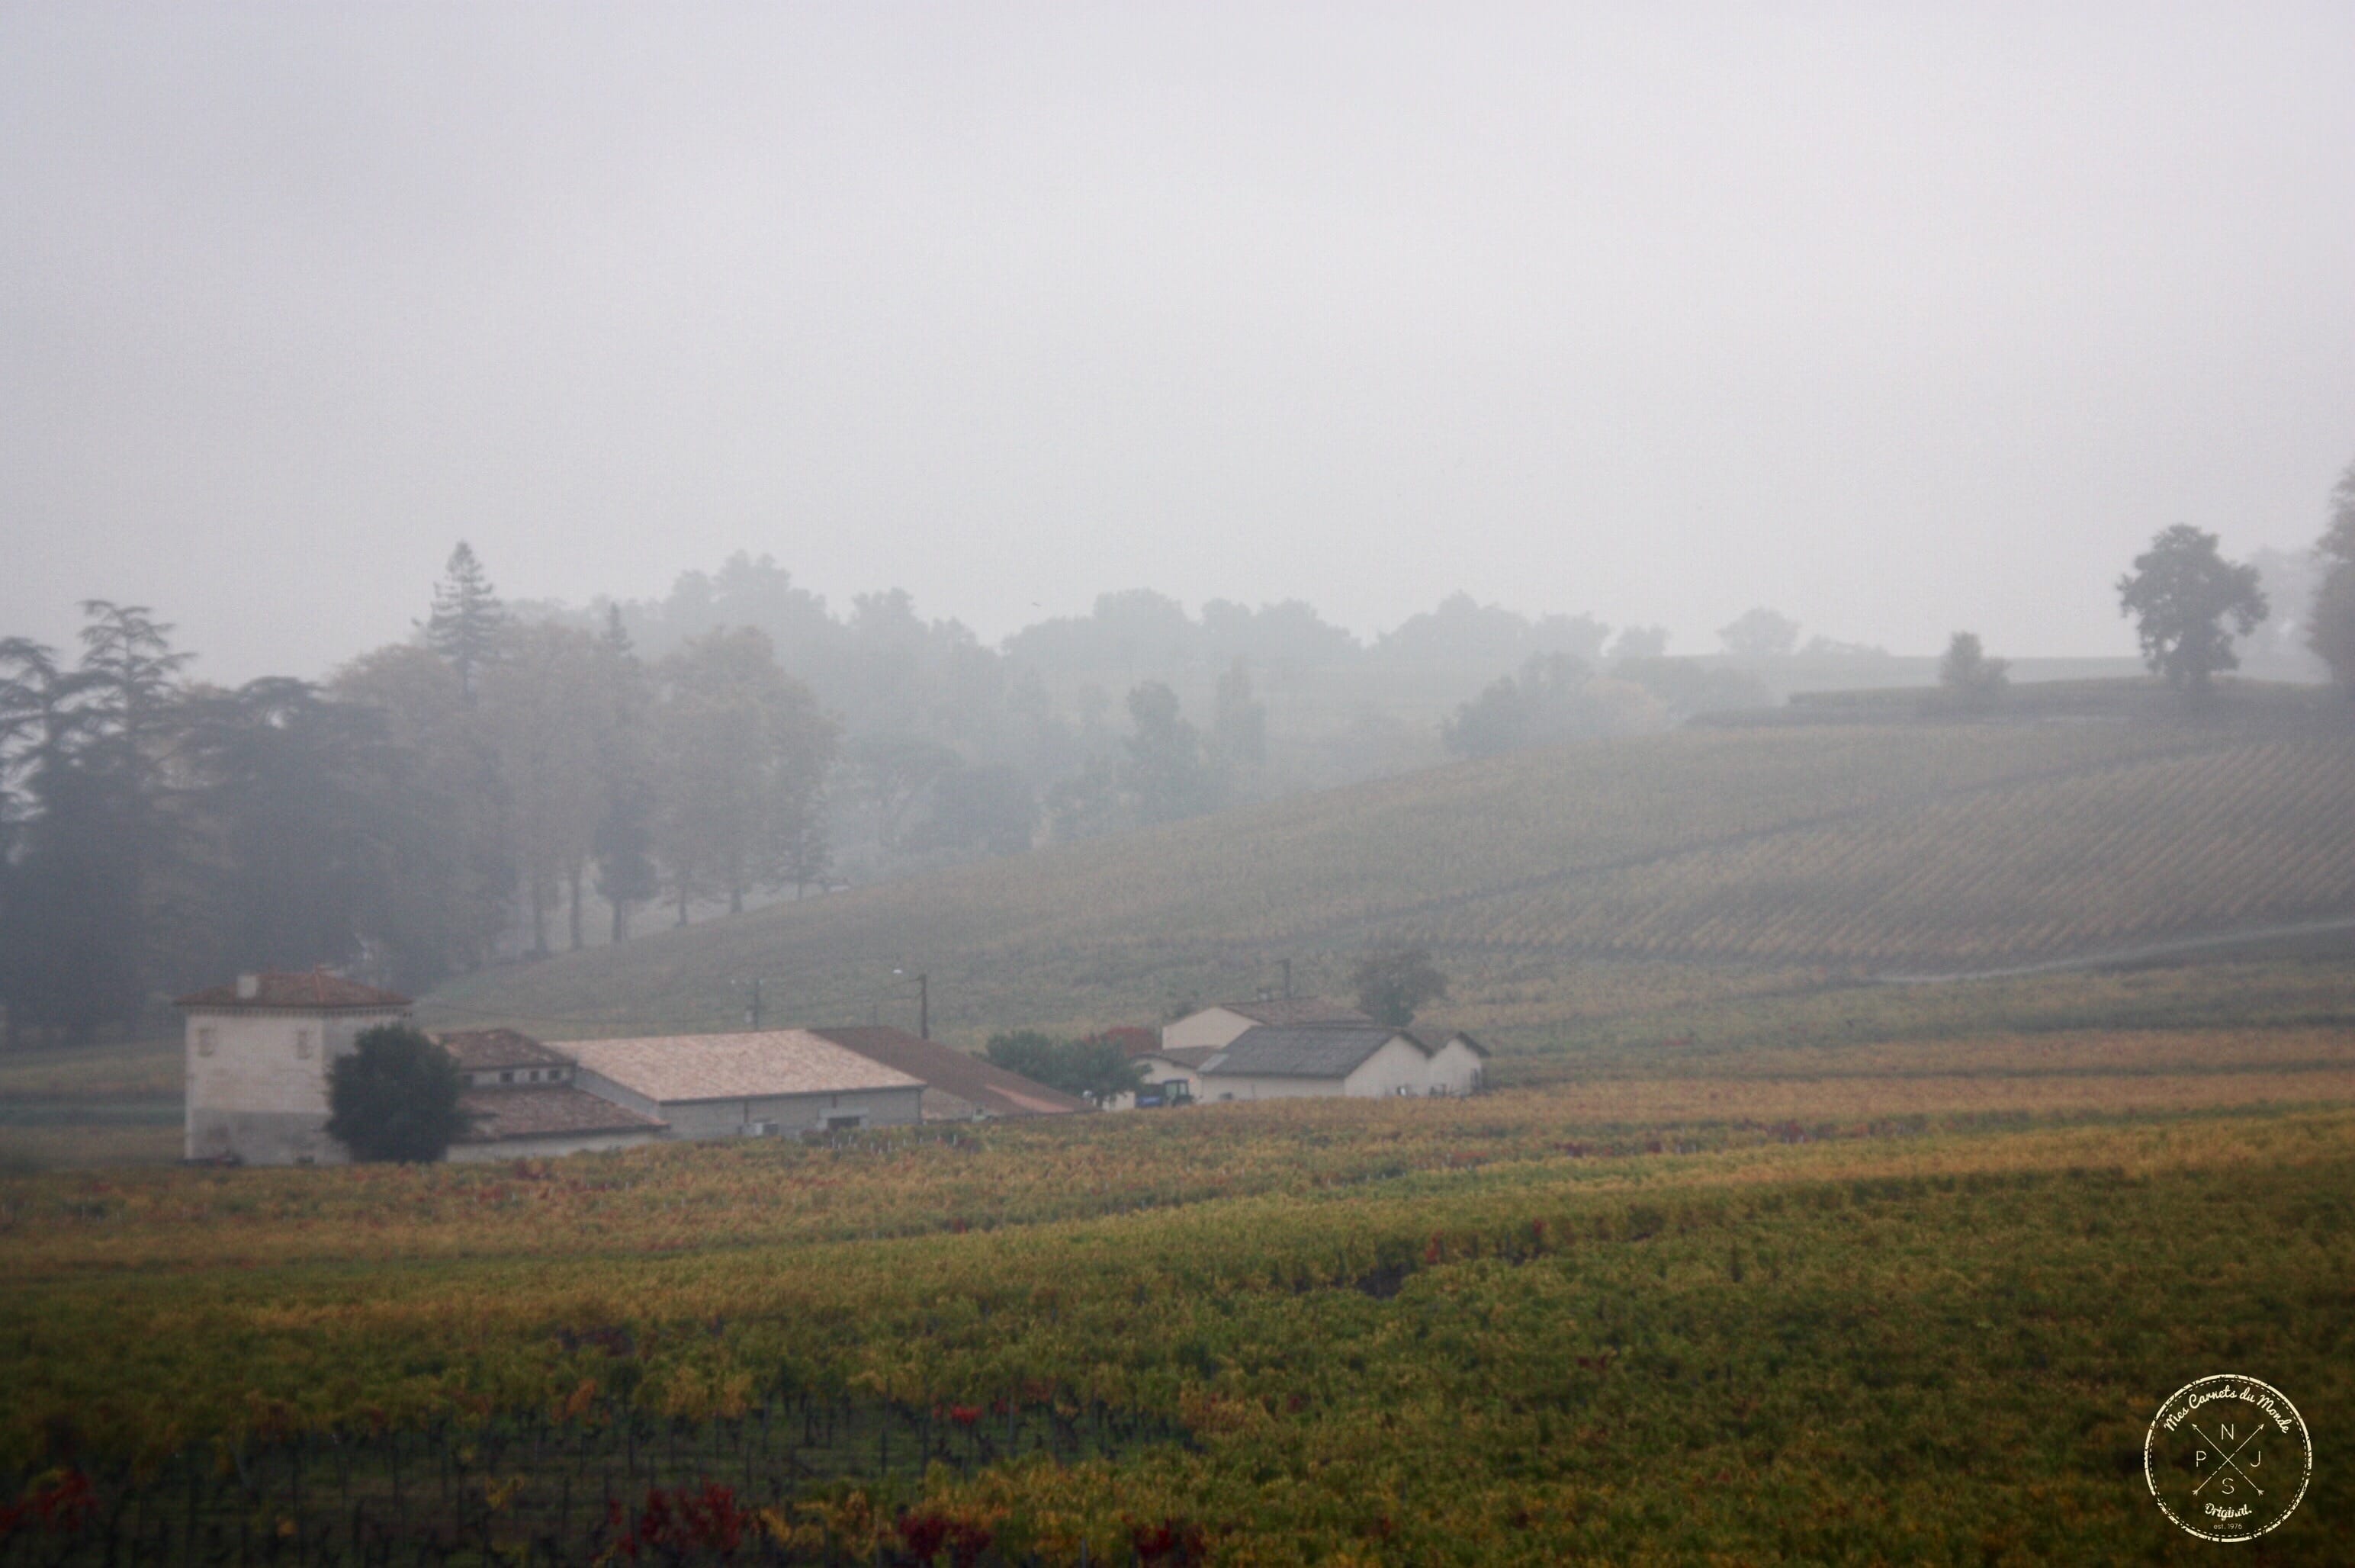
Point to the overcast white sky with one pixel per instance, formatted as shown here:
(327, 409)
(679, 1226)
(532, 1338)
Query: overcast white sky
(1899, 319)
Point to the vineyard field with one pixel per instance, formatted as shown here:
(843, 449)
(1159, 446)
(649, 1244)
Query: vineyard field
(1811, 1302)
(1840, 852)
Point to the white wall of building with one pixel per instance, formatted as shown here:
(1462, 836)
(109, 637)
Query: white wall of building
(257, 1081)
(1457, 1069)
(789, 1112)
(1212, 1027)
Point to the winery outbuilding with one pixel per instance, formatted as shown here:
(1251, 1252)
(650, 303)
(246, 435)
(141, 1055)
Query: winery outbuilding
(520, 1099)
(1352, 1060)
(768, 1083)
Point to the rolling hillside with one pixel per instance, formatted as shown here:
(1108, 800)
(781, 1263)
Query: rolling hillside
(1855, 850)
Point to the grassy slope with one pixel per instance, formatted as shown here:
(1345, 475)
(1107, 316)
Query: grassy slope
(1796, 851)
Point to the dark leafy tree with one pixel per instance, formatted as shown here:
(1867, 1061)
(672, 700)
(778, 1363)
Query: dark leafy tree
(1096, 1068)
(94, 906)
(467, 620)
(1394, 980)
(1969, 681)
(394, 1097)
(2183, 594)
(300, 800)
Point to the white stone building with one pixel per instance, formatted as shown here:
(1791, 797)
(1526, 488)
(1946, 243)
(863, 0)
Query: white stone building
(258, 1053)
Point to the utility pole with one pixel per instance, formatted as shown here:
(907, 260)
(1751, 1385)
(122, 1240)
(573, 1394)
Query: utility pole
(923, 1002)
(752, 1013)
(1287, 977)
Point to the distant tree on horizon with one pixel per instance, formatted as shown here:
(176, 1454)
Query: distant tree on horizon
(1759, 633)
(1967, 679)
(2182, 593)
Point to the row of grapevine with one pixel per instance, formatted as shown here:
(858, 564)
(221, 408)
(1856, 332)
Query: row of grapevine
(1663, 1356)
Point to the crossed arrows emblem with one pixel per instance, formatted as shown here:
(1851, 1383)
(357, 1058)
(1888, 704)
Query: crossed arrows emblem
(2232, 1460)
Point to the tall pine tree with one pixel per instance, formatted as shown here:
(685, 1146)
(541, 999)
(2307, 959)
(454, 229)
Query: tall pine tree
(467, 619)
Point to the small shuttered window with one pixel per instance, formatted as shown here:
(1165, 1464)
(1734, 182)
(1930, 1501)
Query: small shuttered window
(205, 1040)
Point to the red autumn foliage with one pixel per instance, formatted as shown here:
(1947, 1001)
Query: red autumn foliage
(682, 1520)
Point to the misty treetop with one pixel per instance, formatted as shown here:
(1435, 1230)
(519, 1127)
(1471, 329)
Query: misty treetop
(2188, 603)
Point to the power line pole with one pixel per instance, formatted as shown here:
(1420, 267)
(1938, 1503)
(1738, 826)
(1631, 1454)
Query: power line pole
(752, 1013)
(1287, 977)
(924, 1006)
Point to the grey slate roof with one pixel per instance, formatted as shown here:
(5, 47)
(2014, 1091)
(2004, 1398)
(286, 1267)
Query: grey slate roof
(1308, 1050)
(1434, 1040)
(546, 1111)
(1284, 1011)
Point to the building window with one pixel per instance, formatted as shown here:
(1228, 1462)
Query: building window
(205, 1042)
(302, 1044)
(506, 1077)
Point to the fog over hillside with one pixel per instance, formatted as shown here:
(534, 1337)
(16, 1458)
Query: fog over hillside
(1895, 322)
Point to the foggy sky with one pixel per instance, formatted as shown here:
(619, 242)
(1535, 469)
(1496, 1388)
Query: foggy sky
(1898, 319)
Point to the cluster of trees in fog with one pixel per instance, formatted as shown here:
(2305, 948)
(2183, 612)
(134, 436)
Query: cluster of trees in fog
(403, 816)
(521, 777)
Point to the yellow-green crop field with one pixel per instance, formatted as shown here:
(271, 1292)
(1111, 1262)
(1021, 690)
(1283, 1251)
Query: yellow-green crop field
(1895, 1301)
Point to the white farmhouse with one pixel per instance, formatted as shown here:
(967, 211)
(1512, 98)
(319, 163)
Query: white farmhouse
(258, 1053)
(1359, 1060)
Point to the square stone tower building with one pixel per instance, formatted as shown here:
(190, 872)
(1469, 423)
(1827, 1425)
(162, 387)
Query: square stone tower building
(258, 1053)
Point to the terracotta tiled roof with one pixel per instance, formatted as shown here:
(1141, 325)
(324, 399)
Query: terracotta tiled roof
(547, 1112)
(733, 1066)
(1292, 1011)
(481, 1049)
(972, 1079)
(312, 990)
